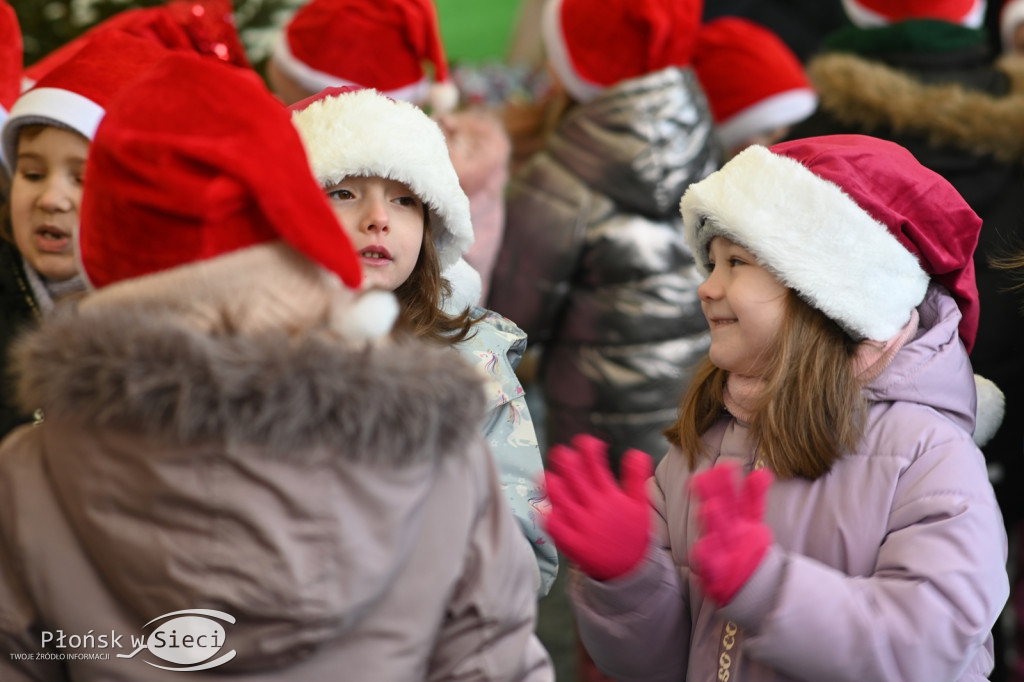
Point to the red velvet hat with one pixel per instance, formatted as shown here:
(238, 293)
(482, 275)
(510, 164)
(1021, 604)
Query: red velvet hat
(380, 44)
(869, 13)
(75, 95)
(753, 80)
(855, 224)
(11, 56)
(204, 26)
(196, 159)
(593, 44)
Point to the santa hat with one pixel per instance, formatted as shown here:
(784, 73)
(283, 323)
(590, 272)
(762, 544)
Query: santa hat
(1010, 16)
(753, 81)
(353, 131)
(381, 44)
(176, 176)
(594, 44)
(10, 59)
(855, 224)
(203, 26)
(74, 96)
(875, 13)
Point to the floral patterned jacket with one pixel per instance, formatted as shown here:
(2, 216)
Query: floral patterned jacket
(496, 347)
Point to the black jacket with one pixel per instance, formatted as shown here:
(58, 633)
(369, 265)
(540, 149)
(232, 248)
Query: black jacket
(18, 309)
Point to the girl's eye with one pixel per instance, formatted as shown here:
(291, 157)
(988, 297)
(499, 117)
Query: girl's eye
(408, 201)
(339, 193)
(734, 261)
(31, 175)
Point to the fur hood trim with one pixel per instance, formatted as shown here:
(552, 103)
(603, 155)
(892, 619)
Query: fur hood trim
(144, 371)
(857, 91)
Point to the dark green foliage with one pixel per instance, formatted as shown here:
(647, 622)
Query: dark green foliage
(48, 24)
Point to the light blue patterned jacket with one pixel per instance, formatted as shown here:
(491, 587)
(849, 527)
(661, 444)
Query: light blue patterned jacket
(496, 346)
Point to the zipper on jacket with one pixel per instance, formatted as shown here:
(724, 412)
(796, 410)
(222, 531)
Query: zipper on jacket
(728, 653)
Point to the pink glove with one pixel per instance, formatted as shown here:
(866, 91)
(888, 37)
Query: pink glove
(600, 527)
(734, 538)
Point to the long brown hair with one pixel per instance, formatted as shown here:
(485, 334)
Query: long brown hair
(421, 294)
(811, 410)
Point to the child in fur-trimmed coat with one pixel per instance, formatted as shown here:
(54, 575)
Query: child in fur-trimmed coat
(234, 445)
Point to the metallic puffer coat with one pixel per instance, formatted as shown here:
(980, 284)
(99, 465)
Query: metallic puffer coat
(593, 265)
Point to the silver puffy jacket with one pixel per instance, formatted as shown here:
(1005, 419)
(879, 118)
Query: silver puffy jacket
(593, 265)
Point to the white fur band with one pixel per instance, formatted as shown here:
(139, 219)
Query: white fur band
(363, 133)
(812, 235)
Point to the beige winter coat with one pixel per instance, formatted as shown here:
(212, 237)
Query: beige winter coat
(338, 504)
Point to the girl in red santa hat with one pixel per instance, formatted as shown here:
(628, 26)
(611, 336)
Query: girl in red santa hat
(385, 167)
(824, 512)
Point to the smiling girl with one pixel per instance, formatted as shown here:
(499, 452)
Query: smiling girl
(823, 512)
(385, 167)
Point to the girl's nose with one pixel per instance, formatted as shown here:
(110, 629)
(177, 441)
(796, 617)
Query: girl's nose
(376, 218)
(55, 197)
(710, 288)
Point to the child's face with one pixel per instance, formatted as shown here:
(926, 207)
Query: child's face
(46, 192)
(744, 305)
(385, 222)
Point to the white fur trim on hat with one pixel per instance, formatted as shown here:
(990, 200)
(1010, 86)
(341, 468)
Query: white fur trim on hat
(49, 106)
(990, 410)
(1011, 15)
(363, 133)
(774, 112)
(813, 236)
(313, 80)
(578, 87)
(467, 287)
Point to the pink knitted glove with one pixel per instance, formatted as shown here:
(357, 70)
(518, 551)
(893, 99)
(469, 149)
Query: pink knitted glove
(734, 539)
(600, 527)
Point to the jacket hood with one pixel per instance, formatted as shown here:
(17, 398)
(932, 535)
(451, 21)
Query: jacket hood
(859, 91)
(642, 141)
(933, 368)
(274, 478)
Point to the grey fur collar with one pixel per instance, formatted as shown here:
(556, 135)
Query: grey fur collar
(142, 371)
(857, 91)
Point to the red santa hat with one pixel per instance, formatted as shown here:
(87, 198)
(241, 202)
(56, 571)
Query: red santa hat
(594, 44)
(381, 44)
(74, 96)
(11, 56)
(754, 82)
(177, 176)
(204, 26)
(874, 13)
(855, 224)
(1010, 16)
(352, 131)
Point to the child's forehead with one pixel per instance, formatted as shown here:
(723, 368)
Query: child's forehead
(40, 138)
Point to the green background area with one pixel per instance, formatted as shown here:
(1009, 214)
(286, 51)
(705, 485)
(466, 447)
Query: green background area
(473, 30)
(477, 30)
